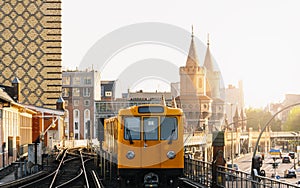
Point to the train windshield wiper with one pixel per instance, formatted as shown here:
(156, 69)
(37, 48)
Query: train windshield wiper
(129, 135)
(171, 136)
(145, 139)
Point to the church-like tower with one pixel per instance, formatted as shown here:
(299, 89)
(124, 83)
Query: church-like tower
(214, 91)
(193, 99)
(192, 76)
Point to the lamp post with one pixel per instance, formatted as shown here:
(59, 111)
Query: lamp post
(295, 148)
(41, 140)
(260, 134)
(231, 133)
(42, 135)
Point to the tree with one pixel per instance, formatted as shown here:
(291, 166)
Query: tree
(293, 120)
(259, 117)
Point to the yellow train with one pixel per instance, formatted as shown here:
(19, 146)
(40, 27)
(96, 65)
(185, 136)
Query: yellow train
(145, 143)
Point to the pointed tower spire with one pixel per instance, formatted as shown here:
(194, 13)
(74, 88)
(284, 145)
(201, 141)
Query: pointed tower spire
(16, 89)
(60, 103)
(192, 59)
(207, 39)
(236, 118)
(192, 31)
(208, 63)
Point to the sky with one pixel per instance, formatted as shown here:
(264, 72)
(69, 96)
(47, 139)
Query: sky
(255, 41)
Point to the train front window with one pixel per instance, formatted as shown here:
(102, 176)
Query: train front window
(168, 128)
(150, 128)
(132, 128)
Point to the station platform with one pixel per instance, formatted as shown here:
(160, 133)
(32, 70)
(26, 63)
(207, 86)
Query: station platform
(10, 177)
(14, 172)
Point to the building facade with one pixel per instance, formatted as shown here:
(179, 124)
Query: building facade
(30, 49)
(80, 91)
(234, 100)
(107, 90)
(15, 129)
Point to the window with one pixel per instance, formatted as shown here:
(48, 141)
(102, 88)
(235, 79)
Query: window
(168, 128)
(76, 113)
(76, 92)
(66, 80)
(65, 92)
(87, 130)
(132, 128)
(87, 114)
(86, 102)
(87, 80)
(86, 92)
(76, 102)
(76, 136)
(76, 126)
(150, 128)
(76, 80)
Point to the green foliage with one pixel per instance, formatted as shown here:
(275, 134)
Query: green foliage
(293, 120)
(259, 117)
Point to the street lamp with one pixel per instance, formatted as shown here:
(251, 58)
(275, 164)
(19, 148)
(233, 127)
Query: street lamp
(295, 148)
(231, 134)
(41, 140)
(260, 134)
(232, 128)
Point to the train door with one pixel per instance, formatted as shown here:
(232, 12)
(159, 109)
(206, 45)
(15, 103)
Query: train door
(150, 151)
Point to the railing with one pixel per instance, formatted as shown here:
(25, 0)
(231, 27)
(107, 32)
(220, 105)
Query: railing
(201, 172)
(198, 171)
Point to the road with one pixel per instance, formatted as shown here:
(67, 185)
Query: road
(244, 163)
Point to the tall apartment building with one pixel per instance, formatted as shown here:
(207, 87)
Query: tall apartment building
(80, 90)
(30, 49)
(234, 101)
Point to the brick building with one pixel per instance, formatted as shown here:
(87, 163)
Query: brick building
(80, 91)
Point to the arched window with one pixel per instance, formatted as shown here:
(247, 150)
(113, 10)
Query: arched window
(87, 124)
(76, 124)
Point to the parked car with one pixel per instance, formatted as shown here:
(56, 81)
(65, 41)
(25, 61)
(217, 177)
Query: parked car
(286, 159)
(290, 173)
(292, 154)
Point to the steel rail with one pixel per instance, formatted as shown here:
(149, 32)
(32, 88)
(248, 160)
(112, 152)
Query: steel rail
(71, 180)
(84, 171)
(56, 172)
(97, 183)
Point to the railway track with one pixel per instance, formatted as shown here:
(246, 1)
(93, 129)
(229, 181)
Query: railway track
(75, 169)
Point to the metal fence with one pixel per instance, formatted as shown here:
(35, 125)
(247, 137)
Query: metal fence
(198, 171)
(201, 172)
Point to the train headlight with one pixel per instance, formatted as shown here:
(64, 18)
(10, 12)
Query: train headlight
(130, 155)
(171, 154)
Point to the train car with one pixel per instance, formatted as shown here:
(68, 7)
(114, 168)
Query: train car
(147, 143)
